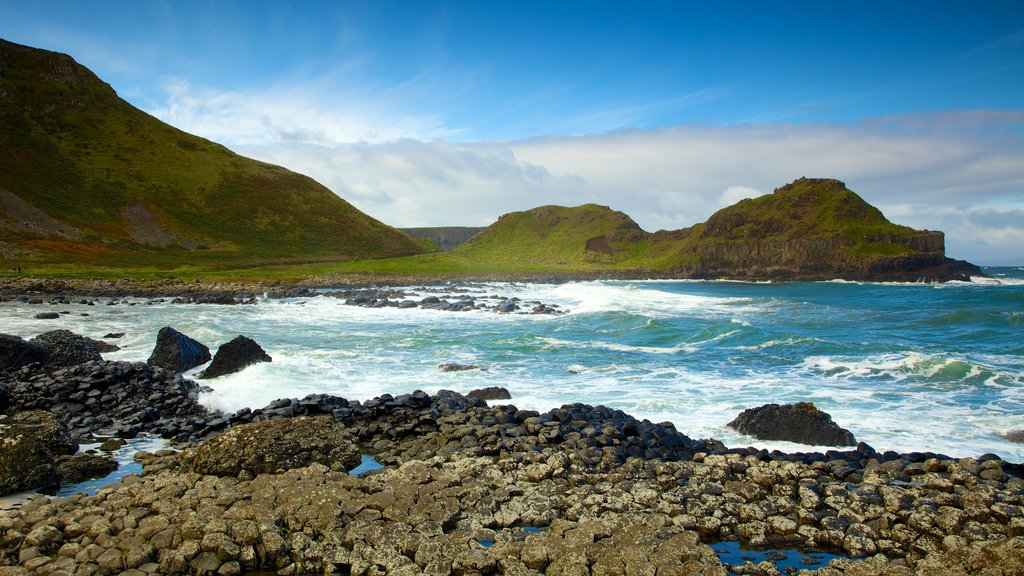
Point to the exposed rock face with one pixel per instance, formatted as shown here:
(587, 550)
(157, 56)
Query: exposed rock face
(16, 352)
(67, 349)
(177, 352)
(801, 423)
(234, 356)
(29, 443)
(80, 467)
(490, 393)
(102, 346)
(112, 398)
(274, 446)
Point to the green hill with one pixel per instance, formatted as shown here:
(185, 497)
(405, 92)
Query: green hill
(584, 237)
(808, 229)
(87, 178)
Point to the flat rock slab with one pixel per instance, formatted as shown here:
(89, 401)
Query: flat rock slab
(278, 445)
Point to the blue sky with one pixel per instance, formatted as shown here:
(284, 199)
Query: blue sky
(436, 113)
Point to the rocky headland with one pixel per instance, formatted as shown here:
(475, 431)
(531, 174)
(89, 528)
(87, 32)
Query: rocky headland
(471, 488)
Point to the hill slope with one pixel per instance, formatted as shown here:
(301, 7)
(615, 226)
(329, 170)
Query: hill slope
(808, 229)
(86, 177)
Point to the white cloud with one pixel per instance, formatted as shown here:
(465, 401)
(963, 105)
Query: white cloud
(924, 170)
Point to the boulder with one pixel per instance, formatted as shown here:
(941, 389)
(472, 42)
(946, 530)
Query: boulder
(67, 349)
(5, 396)
(177, 352)
(490, 393)
(16, 352)
(452, 367)
(47, 316)
(1015, 436)
(80, 467)
(29, 443)
(801, 423)
(102, 346)
(277, 445)
(234, 356)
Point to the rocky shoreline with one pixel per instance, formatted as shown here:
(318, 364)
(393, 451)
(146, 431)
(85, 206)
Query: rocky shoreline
(472, 488)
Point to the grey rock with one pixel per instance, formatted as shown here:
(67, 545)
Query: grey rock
(80, 467)
(177, 352)
(16, 353)
(67, 349)
(29, 443)
(801, 423)
(47, 316)
(490, 393)
(234, 356)
(452, 367)
(277, 445)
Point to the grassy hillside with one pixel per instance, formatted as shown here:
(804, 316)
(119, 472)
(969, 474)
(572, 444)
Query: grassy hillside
(556, 237)
(87, 178)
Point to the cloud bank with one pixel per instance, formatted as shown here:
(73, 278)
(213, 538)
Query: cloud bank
(961, 172)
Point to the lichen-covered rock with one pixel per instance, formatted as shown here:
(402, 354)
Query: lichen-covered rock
(801, 423)
(277, 445)
(177, 352)
(16, 352)
(234, 356)
(29, 443)
(67, 349)
(79, 467)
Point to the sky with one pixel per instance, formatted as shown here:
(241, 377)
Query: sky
(428, 113)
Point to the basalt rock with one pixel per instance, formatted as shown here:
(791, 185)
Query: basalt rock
(16, 353)
(177, 352)
(452, 367)
(274, 446)
(80, 467)
(490, 393)
(801, 423)
(29, 443)
(67, 349)
(234, 356)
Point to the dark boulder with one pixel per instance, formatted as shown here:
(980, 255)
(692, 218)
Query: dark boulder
(234, 356)
(801, 423)
(47, 316)
(177, 352)
(277, 445)
(80, 467)
(490, 393)
(5, 396)
(452, 367)
(31, 442)
(16, 352)
(114, 335)
(102, 346)
(67, 349)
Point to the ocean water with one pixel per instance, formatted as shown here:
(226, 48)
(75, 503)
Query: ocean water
(907, 367)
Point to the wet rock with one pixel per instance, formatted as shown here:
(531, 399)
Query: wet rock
(801, 423)
(80, 467)
(452, 367)
(277, 445)
(490, 393)
(67, 349)
(102, 346)
(113, 335)
(234, 356)
(29, 443)
(177, 352)
(16, 353)
(47, 316)
(1015, 436)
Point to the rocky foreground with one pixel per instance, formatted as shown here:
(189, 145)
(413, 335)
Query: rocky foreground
(466, 488)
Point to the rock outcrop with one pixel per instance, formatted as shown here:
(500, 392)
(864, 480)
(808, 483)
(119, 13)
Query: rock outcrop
(490, 393)
(234, 356)
(177, 352)
(16, 353)
(29, 444)
(67, 349)
(274, 446)
(801, 423)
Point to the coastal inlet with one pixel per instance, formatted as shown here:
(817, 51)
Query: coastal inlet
(904, 367)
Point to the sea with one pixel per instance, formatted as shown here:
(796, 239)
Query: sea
(905, 367)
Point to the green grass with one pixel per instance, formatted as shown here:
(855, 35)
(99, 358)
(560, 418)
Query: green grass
(71, 147)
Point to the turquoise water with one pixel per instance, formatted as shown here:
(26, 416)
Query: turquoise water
(903, 366)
